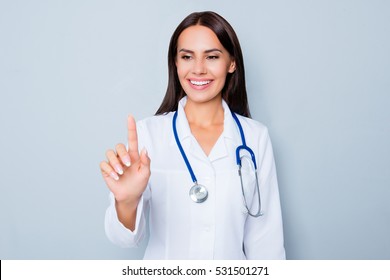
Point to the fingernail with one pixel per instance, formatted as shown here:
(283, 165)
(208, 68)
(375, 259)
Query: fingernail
(114, 176)
(126, 160)
(119, 169)
(144, 151)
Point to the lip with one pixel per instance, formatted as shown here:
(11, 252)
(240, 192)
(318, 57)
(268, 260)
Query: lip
(199, 84)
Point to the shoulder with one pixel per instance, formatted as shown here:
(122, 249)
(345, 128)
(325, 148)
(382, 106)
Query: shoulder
(253, 126)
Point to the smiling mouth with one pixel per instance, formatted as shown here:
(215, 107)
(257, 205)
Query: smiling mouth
(200, 83)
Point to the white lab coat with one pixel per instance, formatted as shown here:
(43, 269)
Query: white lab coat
(218, 228)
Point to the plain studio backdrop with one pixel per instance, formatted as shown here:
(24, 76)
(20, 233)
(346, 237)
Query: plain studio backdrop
(317, 76)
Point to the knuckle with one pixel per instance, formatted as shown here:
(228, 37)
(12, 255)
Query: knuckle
(109, 153)
(120, 148)
(104, 166)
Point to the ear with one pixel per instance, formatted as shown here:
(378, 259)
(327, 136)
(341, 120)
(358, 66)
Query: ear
(232, 67)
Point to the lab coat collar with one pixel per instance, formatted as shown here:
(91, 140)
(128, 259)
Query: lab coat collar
(184, 132)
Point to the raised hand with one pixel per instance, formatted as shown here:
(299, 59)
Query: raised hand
(126, 173)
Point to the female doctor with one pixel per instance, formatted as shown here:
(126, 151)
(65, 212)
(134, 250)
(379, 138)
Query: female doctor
(207, 199)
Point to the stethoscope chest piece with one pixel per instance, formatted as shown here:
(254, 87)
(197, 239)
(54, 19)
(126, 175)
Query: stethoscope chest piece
(198, 193)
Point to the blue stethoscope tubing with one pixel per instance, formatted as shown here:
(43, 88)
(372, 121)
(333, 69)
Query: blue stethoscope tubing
(238, 160)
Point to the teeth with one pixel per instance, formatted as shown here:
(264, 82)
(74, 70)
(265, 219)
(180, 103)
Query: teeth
(200, 83)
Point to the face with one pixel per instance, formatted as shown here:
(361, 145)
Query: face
(202, 64)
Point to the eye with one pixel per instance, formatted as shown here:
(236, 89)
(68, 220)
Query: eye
(186, 57)
(212, 57)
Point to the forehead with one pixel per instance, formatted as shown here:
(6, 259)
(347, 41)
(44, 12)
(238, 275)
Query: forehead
(198, 37)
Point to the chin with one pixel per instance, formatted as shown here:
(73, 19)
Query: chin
(200, 97)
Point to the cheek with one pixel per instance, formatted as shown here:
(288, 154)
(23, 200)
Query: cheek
(183, 65)
(178, 67)
(181, 70)
(182, 75)
(220, 70)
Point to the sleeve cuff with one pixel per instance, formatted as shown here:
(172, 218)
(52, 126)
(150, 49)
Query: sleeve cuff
(117, 232)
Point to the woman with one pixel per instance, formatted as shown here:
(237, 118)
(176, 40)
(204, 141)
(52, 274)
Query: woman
(186, 173)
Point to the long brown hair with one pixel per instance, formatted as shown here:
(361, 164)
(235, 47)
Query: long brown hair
(234, 91)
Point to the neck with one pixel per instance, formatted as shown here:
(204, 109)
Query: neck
(204, 114)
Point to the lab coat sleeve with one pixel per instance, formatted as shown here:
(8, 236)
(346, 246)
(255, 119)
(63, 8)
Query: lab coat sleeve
(117, 233)
(263, 238)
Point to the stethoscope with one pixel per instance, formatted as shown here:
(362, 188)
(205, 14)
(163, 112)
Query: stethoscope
(198, 193)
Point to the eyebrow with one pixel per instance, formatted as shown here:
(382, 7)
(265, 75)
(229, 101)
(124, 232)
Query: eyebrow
(206, 51)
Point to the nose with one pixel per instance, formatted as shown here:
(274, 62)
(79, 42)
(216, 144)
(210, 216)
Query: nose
(199, 67)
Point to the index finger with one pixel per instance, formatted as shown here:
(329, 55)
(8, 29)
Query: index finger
(132, 139)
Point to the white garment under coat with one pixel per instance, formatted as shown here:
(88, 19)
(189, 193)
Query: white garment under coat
(218, 228)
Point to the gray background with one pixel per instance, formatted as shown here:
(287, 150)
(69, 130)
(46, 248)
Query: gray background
(317, 76)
